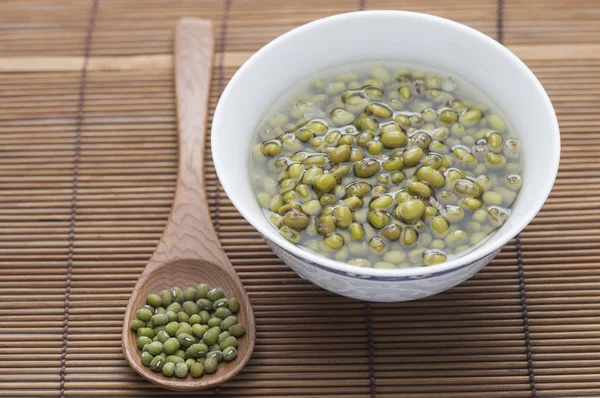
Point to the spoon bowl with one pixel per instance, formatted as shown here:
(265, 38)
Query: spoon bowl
(189, 251)
(190, 272)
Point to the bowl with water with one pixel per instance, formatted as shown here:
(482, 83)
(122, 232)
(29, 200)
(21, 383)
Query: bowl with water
(382, 164)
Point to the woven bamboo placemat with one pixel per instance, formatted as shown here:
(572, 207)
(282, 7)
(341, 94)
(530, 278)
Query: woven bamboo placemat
(87, 174)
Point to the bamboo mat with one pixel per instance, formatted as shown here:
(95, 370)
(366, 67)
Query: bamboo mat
(87, 175)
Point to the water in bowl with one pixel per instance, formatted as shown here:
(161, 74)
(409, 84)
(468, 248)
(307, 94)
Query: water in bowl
(385, 164)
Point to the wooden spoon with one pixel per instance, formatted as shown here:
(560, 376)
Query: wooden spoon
(189, 251)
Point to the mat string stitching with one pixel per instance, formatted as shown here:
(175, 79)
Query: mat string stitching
(78, 123)
(220, 86)
(500, 21)
(523, 299)
(521, 270)
(371, 351)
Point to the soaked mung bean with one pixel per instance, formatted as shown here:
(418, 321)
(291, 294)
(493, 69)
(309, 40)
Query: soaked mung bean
(387, 165)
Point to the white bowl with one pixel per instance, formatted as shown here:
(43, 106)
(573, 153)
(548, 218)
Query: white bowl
(411, 37)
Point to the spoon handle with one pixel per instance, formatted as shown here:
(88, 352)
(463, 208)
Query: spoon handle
(189, 233)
